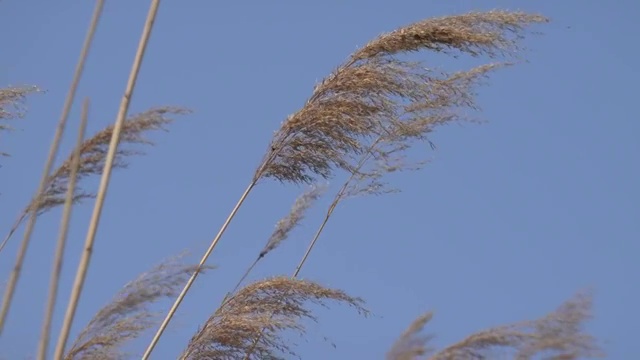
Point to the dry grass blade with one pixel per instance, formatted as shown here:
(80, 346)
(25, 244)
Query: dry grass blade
(128, 314)
(412, 344)
(559, 336)
(375, 90)
(266, 307)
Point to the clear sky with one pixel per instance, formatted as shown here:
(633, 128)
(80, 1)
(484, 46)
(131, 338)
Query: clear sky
(510, 218)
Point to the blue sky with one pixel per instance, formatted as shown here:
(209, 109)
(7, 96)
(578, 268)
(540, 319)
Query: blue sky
(510, 218)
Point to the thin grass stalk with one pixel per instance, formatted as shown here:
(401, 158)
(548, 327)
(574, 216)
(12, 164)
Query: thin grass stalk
(53, 151)
(332, 207)
(13, 229)
(203, 260)
(339, 196)
(81, 273)
(193, 277)
(257, 176)
(283, 228)
(62, 237)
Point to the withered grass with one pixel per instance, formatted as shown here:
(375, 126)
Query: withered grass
(559, 335)
(93, 152)
(266, 307)
(377, 94)
(127, 315)
(358, 122)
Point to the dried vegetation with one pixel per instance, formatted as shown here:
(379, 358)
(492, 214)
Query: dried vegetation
(360, 119)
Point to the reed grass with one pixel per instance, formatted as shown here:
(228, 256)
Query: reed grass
(359, 122)
(54, 283)
(270, 307)
(12, 103)
(128, 314)
(51, 158)
(559, 335)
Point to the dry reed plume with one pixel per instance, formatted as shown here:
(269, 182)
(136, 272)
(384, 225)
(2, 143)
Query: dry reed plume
(360, 119)
(12, 104)
(370, 110)
(559, 335)
(377, 94)
(375, 91)
(284, 226)
(269, 306)
(128, 314)
(93, 152)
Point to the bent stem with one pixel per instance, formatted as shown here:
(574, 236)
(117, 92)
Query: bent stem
(83, 267)
(193, 277)
(53, 151)
(62, 237)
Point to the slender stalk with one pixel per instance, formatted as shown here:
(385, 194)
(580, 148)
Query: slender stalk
(339, 196)
(193, 277)
(62, 237)
(13, 229)
(53, 151)
(81, 273)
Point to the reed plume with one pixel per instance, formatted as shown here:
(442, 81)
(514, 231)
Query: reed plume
(12, 102)
(559, 335)
(12, 106)
(375, 90)
(412, 344)
(269, 306)
(93, 152)
(128, 315)
(371, 95)
(285, 225)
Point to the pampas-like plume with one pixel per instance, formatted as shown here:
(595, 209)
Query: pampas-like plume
(12, 104)
(128, 314)
(268, 307)
(412, 344)
(558, 335)
(293, 219)
(371, 95)
(374, 90)
(386, 153)
(284, 227)
(93, 152)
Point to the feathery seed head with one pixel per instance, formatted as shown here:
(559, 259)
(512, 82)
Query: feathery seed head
(376, 94)
(261, 310)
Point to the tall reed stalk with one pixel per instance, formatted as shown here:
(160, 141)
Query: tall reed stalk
(54, 283)
(53, 151)
(81, 273)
